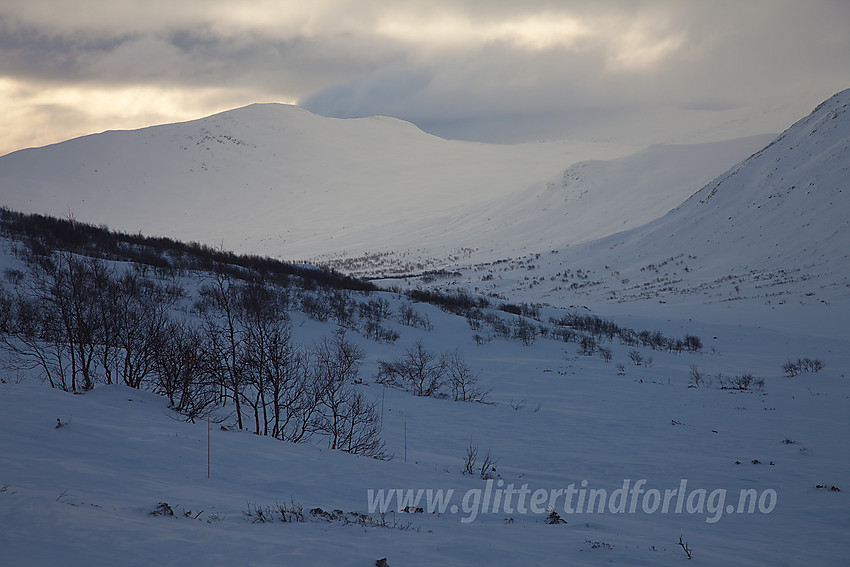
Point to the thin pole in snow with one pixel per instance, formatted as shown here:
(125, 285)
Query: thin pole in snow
(208, 447)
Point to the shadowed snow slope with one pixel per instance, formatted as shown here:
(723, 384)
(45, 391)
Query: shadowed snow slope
(783, 208)
(773, 230)
(786, 206)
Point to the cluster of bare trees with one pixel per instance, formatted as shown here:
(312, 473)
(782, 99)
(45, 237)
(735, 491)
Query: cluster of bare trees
(792, 368)
(78, 321)
(574, 328)
(287, 391)
(426, 373)
(368, 317)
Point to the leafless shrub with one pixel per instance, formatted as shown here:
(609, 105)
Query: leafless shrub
(470, 459)
(697, 377)
(419, 369)
(462, 380)
(793, 368)
(685, 547)
(487, 470)
(742, 381)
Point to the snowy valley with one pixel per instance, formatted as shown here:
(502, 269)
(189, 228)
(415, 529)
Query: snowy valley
(632, 356)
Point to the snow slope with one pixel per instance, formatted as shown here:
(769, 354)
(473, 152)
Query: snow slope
(785, 206)
(768, 239)
(754, 264)
(271, 178)
(597, 198)
(82, 494)
(276, 180)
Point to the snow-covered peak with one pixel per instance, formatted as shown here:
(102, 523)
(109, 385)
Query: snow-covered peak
(785, 205)
(278, 180)
(770, 237)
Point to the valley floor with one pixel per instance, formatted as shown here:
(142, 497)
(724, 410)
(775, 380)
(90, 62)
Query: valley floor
(84, 493)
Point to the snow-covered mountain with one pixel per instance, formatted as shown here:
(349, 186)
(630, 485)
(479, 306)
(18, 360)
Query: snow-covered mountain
(278, 180)
(784, 207)
(771, 233)
(647, 454)
(378, 196)
(273, 179)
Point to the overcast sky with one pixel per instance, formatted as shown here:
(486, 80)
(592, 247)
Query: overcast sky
(492, 70)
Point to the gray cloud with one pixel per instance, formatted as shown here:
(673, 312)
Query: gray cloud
(724, 60)
(471, 69)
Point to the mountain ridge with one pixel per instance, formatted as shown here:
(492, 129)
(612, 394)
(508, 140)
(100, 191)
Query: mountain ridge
(720, 222)
(769, 237)
(278, 180)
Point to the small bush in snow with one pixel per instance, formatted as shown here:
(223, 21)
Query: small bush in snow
(697, 377)
(486, 469)
(793, 368)
(463, 381)
(429, 374)
(284, 513)
(418, 369)
(470, 459)
(742, 382)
